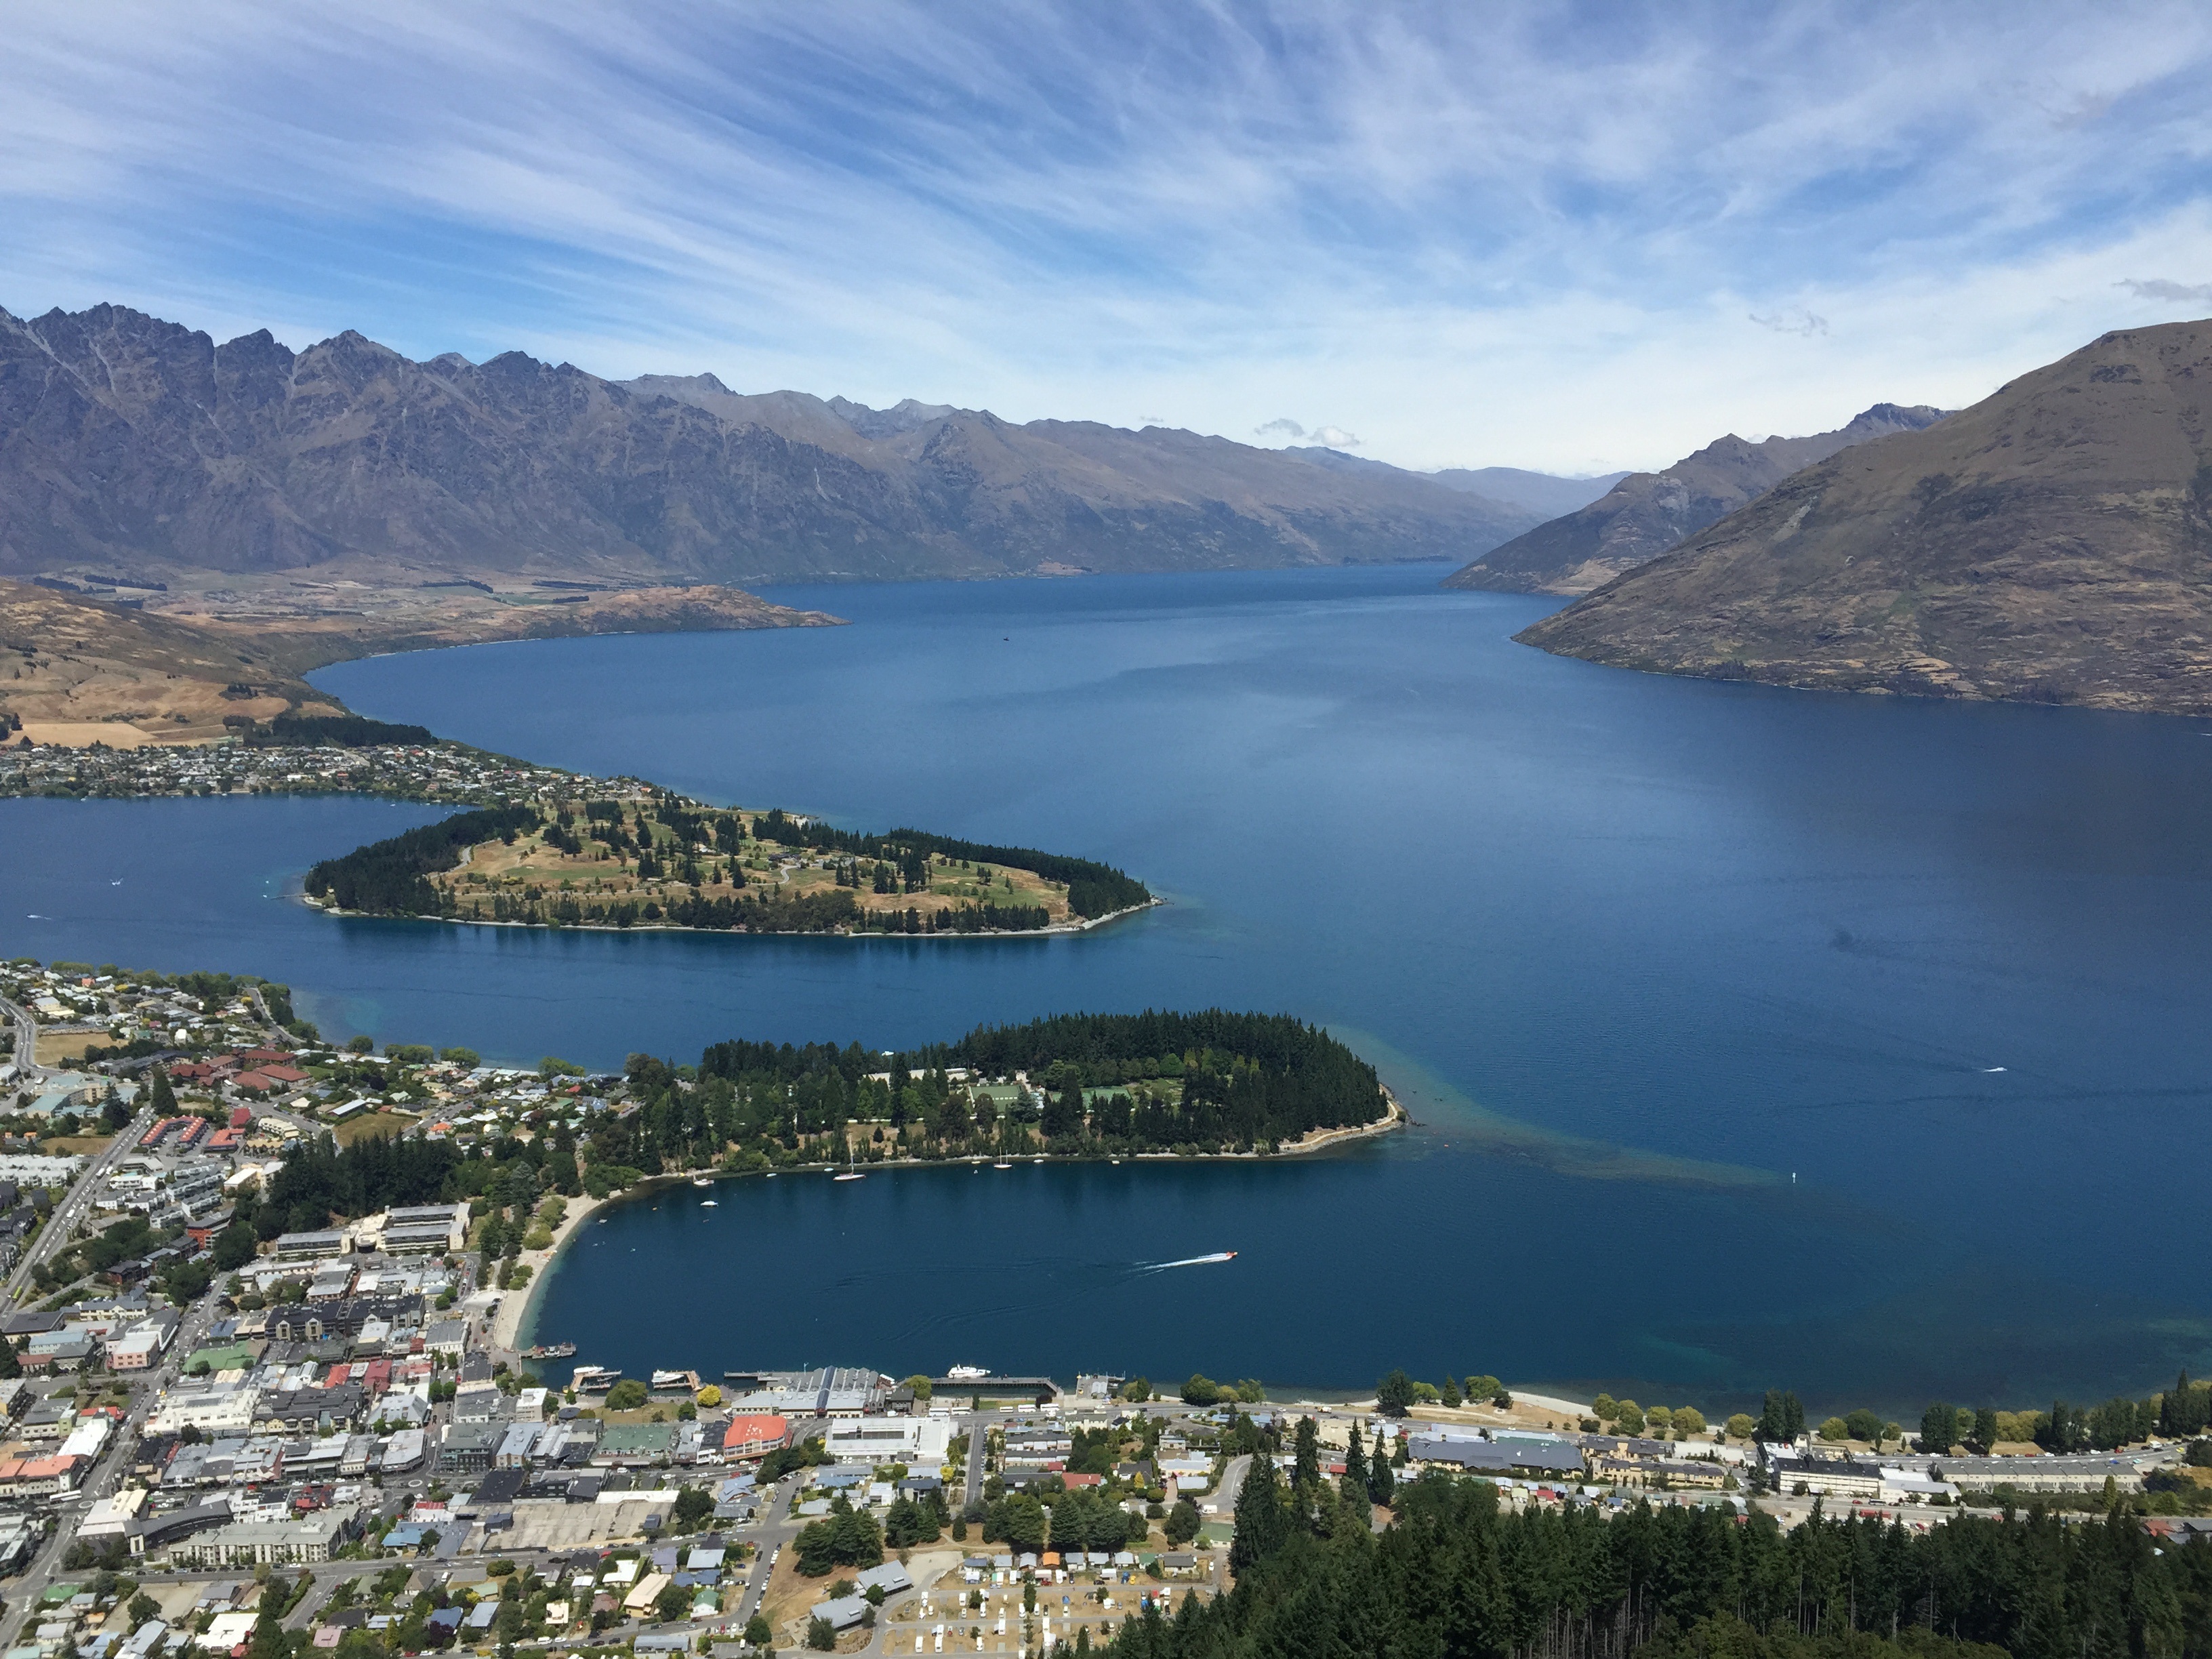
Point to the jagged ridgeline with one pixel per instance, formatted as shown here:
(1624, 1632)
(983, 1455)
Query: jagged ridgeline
(1210, 1081)
(665, 861)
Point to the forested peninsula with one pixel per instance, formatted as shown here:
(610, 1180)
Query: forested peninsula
(1074, 1085)
(653, 859)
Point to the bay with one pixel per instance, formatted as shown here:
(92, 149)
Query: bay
(1700, 990)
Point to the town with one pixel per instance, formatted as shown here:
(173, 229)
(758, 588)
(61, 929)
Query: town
(264, 1393)
(426, 770)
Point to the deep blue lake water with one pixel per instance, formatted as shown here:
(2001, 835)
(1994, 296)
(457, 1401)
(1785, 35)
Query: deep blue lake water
(1699, 991)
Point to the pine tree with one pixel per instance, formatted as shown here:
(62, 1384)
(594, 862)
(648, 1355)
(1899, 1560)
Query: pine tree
(165, 1097)
(1306, 1476)
(1381, 1484)
(1261, 1525)
(1355, 1464)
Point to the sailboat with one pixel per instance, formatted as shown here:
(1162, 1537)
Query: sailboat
(849, 1173)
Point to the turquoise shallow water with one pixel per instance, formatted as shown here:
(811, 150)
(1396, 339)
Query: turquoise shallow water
(1637, 950)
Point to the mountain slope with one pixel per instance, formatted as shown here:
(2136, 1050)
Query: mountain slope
(1544, 493)
(125, 440)
(2053, 542)
(1647, 512)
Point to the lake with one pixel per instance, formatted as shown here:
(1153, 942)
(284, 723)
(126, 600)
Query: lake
(1757, 1037)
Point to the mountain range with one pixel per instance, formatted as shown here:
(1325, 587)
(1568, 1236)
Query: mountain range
(134, 447)
(2053, 542)
(1645, 514)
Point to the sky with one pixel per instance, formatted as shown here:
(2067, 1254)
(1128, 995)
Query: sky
(1569, 238)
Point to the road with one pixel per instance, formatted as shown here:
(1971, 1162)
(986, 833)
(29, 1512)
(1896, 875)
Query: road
(74, 1207)
(26, 1037)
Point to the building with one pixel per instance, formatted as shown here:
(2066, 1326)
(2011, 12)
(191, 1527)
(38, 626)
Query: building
(38, 1477)
(754, 1436)
(309, 1246)
(306, 1539)
(420, 1229)
(835, 1391)
(467, 1448)
(899, 1440)
(1517, 1458)
(2065, 1473)
(1822, 1477)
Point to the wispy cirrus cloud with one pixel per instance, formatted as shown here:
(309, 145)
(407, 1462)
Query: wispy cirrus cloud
(1203, 213)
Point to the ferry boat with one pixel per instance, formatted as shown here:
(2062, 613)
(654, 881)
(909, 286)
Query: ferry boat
(556, 1351)
(965, 1373)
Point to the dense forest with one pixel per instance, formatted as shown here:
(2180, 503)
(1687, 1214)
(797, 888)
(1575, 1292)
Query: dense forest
(338, 731)
(1206, 1082)
(1452, 1575)
(387, 878)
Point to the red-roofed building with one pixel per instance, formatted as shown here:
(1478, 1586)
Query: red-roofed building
(754, 1436)
(241, 1118)
(193, 1129)
(259, 1056)
(225, 1140)
(1083, 1480)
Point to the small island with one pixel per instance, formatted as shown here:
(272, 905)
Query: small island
(637, 856)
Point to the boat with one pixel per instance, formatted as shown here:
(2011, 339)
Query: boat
(1002, 1166)
(556, 1351)
(707, 1204)
(594, 1379)
(701, 1180)
(965, 1373)
(849, 1173)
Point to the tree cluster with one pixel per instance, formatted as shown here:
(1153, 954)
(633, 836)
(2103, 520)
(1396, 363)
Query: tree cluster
(1452, 1575)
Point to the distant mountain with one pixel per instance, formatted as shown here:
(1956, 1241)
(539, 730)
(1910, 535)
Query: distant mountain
(2053, 542)
(1540, 492)
(1543, 493)
(127, 440)
(1647, 512)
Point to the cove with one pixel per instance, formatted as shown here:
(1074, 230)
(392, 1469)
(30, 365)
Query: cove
(1699, 990)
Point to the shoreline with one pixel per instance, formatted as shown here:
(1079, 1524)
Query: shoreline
(1062, 930)
(508, 1321)
(505, 1330)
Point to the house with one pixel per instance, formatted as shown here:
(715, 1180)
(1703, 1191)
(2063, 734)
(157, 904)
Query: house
(843, 1613)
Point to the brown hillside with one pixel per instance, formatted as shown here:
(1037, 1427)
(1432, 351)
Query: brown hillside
(1646, 514)
(2053, 542)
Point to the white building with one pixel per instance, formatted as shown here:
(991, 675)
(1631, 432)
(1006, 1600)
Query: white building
(908, 1440)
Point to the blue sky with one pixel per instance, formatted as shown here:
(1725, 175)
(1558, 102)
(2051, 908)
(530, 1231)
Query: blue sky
(1572, 238)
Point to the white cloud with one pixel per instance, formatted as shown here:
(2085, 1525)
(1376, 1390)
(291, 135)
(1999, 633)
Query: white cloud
(1334, 437)
(1792, 322)
(1280, 426)
(2158, 287)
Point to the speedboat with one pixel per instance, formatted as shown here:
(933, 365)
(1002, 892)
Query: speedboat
(701, 1180)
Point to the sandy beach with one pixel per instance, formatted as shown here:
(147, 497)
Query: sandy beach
(514, 1305)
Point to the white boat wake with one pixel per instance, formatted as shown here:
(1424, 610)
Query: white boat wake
(1188, 1261)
